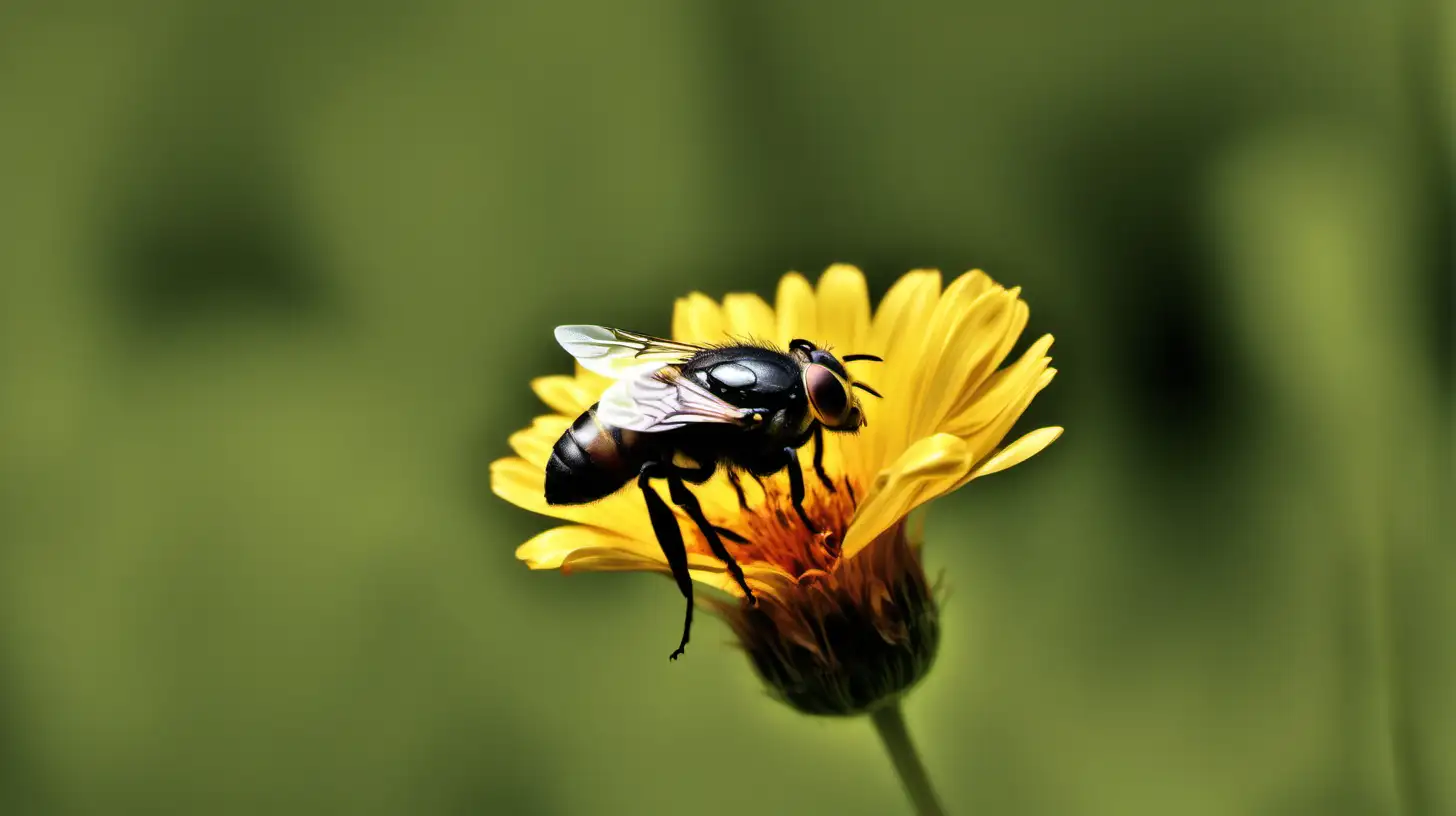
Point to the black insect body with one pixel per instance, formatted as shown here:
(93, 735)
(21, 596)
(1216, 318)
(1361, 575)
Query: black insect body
(746, 407)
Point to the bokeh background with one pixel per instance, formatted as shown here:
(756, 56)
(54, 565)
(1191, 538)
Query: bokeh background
(274, 276)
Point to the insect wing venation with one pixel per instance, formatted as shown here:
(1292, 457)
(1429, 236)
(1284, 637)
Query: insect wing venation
(621, 354)
(664, 401)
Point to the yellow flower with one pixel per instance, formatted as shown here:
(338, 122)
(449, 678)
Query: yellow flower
(843, 618)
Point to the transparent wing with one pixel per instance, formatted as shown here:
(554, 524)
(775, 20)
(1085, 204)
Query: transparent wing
(620, 354)
(666, 400)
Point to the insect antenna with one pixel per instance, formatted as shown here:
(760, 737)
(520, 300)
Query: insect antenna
(849, 358)
(861, 386)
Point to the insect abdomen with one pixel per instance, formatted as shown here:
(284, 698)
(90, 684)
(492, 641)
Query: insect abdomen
(591, 461)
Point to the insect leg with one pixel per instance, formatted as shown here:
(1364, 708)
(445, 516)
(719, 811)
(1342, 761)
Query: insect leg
(796, 487)
(699, 475)
(669, 538)
(702, 473)
(734, 480)
(730, 535)
(685, 499)
(819, 458)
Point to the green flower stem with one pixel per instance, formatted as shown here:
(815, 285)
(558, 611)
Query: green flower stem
(889, 722)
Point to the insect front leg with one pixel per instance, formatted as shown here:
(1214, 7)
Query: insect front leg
(819, 458)
(685, 499)
(669, 538)
(796, 487)
(735, 480)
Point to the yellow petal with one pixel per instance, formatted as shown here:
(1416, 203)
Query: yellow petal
(613, 534)
(524, 485)
(843, 452)
(1011, 333)
(907, 303)
(914, 381)
(563, 394)
(1017, 452)
(748, 317)
(976, 282)
(929, 467)
(611, 560)
(534, 444)
(966, 338)
(709, 571)
(1013, 384)
(551, 549)
(972, 350)
(954, 305)
(583, 548)
(897, 335)
(844, 310)
(984, 441)
(720, 500)
(697, 319)
(798, 314)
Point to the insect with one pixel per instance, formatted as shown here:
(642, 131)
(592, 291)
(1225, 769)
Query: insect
(746, 407)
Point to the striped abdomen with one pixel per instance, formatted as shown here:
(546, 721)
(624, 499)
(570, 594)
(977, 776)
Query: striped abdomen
(591, 461)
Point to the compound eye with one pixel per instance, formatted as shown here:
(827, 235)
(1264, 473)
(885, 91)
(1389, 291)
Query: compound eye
(828, 395)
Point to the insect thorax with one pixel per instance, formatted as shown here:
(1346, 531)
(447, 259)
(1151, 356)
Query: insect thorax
(748, 376)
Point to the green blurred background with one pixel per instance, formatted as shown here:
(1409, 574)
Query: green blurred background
(274, 276)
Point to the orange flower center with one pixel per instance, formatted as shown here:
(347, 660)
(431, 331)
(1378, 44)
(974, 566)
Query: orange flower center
(775, 535)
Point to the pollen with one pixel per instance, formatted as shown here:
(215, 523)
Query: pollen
(776, 536)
